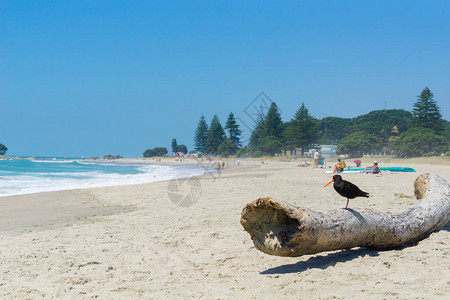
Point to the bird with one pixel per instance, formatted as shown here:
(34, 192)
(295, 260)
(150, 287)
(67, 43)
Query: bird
(346, 189)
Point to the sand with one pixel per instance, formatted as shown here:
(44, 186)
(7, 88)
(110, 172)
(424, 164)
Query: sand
(135, 242)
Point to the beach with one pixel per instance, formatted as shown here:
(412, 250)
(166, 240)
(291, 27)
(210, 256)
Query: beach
(182, 239)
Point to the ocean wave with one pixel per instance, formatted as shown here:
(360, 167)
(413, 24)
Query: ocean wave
(76, 176)
(52, 161)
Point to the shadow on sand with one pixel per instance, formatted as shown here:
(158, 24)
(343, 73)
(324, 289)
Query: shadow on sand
(321, 261)
(446, 226)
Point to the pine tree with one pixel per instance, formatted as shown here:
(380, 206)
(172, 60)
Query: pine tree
(257, 132)
(267, 136)
(215, 136)
(227, 148)
(174, 146)
(272, 124)
(234, 132)
(426, 112)
(200, 135)
(302, 130)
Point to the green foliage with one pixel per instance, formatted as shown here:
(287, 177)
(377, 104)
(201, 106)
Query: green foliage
(358, 143)
(446, 131)
(227, 148)
(256, 153)
(333, 129)
(270, 145)
(182, 148)
(243, 152)
(215, 136)
(267, 136)
(178, 148)
(234, 132)
(362, 134)
(426, 112)
(3, 149)
(385, 124)
(112, 156)
(302, 130)
(158, 151)
(419, 141)
(257, 133)
(272, 124)
(201, 135)
(174, 146)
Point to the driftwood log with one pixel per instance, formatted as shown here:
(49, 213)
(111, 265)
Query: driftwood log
(278, 228)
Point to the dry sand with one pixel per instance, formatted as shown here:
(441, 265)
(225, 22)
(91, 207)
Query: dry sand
(134, 242)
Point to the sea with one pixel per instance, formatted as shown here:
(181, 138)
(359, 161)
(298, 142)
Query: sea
(25, 176)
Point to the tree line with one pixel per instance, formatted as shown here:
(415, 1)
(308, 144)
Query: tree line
(407, 134)
(421, 132)
(216, 139)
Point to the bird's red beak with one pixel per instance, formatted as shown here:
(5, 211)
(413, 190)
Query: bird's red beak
(328, 183)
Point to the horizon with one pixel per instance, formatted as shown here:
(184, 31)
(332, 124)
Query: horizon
(110, 77)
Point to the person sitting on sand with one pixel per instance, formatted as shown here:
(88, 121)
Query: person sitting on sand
(339, 167)
(306, 164)
(374, 168)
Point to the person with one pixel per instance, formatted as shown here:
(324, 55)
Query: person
(357, 162)
(316, 158)
(219, 165)
(339, 167)
(306, 164)
(374, 167)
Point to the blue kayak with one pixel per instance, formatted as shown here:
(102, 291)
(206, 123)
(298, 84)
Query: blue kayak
(363, 170)
(392, 169)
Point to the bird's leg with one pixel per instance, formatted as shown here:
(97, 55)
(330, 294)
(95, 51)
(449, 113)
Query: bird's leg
(346, 205)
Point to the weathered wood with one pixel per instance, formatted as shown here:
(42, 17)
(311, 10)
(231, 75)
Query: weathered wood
(278, 228)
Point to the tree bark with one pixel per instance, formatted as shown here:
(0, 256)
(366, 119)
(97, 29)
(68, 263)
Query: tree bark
(278, 228)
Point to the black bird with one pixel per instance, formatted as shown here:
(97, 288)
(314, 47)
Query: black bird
(346, 189)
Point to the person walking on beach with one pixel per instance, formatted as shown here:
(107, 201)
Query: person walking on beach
(316, 159)
(218, 167)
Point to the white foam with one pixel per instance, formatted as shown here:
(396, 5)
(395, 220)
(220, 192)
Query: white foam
(46, 182)
(53, 161)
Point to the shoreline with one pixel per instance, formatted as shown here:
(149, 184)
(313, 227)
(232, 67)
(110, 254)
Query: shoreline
(18, 212)
(246, 162)
(147, 176)
(13, 206)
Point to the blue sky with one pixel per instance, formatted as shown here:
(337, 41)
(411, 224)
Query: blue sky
(87, 78)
